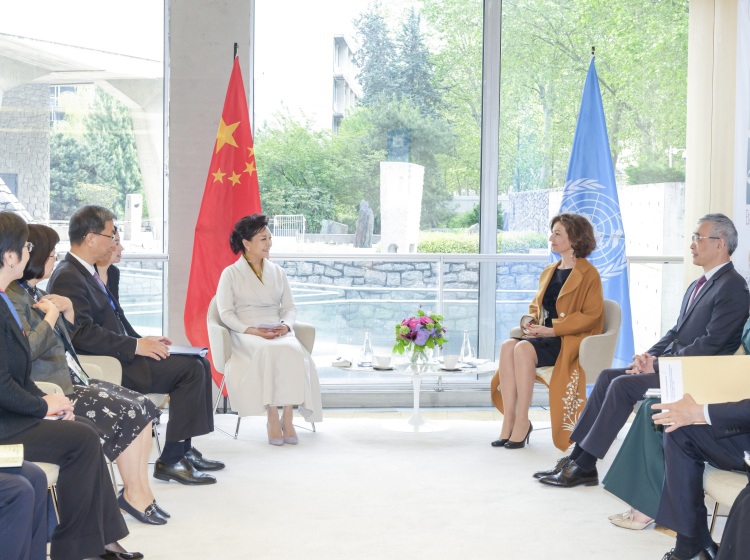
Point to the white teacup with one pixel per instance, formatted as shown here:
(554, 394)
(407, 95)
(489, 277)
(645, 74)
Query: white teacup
(382, 361)
(450, 361)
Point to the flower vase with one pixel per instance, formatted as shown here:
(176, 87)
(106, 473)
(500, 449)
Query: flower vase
(420, 356)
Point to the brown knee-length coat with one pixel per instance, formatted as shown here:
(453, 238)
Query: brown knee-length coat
(580, 311)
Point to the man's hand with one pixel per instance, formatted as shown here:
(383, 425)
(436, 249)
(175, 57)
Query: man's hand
(162, 339)
(63, 305)
(678, 414)
(59, 405)
(642, 363)
(151, 347)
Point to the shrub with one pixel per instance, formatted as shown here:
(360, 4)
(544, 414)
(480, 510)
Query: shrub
(459, 242)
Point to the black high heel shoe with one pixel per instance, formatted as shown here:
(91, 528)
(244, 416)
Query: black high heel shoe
(499, 442)
(520, 444)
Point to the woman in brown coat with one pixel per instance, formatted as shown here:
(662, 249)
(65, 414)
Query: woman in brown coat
(568, 307)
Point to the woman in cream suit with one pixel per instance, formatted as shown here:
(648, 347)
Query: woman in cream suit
(268, 368)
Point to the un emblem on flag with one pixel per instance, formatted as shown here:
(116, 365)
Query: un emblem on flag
(589, 198)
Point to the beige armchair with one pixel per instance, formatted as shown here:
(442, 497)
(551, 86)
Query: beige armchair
(51, 471)
(723, 487)
(220, 341)
(596, 352)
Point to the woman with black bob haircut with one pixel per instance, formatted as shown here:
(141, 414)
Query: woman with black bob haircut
(268, 368)
(90, 521)
(122, 417)
(567, 307)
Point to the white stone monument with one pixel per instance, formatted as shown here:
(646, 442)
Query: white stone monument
(133, 217)
(401, 186)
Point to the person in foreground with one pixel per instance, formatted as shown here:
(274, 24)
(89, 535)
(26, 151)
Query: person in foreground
(268, 367)
(696, 434)
(735, 540)
(568, 307)
(147, 366)
(23, 512)
(90, 521)
(122, 417)
(713, 311)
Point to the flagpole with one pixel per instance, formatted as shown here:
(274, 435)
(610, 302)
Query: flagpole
(592, 50)
(235, 51)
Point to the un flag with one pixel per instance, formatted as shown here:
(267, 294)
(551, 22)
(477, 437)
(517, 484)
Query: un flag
(590, 190)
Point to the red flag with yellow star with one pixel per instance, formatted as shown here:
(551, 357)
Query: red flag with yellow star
(231, 193)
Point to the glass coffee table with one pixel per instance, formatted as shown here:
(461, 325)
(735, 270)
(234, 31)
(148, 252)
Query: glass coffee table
(400, 367)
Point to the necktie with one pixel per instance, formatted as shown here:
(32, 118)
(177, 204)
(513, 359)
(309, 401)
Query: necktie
(103, 286)
(701, 281)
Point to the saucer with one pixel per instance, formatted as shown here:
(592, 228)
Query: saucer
(450, 369)
(378, 368)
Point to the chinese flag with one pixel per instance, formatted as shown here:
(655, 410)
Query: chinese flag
(231, 193)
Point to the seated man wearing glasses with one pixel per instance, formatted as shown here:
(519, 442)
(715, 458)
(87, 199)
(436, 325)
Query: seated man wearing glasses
(713, 311)
(147, 366)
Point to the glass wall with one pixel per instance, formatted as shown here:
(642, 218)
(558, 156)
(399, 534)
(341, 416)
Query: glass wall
(81, 113)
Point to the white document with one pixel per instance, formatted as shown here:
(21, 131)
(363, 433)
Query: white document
(670, 380)
(188, 350)
(11, 455)
(268, 325)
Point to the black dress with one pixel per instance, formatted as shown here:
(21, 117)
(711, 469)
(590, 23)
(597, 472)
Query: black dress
(548, 348)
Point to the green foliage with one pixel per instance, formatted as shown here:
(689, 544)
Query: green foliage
(294, 171)
(93, 158)
(654, 173)
(641, 62)
(507, 242)
(376, 57)
(520, 241)
(445, 242)
(468, 219)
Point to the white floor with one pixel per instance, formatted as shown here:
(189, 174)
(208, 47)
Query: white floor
(358, 489)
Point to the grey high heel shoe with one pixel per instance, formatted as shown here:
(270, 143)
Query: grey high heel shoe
(293, 440)
(275, 440)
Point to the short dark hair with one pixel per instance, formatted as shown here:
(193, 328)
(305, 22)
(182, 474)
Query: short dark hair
(13, 234)
(44, 239)
(580, 233)
(246, 228)
(89, 218)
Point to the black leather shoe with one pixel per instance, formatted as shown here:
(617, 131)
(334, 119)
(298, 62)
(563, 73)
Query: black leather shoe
(705, 554)
(150, 516)
(182, 472)
(197, 459)
(571, 476)
(499, 442)
(112, 555)
(559, 466)
(161, 511)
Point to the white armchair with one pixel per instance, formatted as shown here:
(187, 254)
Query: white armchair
(220, 341)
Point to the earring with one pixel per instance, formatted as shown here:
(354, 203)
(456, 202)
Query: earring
(12, 265)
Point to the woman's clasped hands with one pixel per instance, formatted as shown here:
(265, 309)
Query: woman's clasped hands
(59, 406)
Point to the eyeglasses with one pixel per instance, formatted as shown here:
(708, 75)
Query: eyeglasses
(695, 237)
(110, 235)
(29, 246)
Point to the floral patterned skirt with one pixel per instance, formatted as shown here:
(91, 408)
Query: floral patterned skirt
(119, 413)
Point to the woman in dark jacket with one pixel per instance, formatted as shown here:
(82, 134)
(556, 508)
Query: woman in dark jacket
(122, 417)
(90, 521)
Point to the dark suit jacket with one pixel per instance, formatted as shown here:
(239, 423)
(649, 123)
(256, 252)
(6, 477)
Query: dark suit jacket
(730, 419)
(102, 330)
(48, 361)
(21, 403)
(712, 325)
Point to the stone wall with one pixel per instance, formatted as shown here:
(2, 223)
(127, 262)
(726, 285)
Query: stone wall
(24, 145)
(528, 211)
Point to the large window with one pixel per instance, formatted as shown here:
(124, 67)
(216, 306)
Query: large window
(81, 122)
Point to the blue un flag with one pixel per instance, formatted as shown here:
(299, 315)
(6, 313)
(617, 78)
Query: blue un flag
(590, 190)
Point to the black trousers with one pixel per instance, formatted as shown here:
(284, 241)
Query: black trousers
(608, 408)
(23, 512)
(89, 514)
(736, 539)
(682, 507)
(187, 380)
